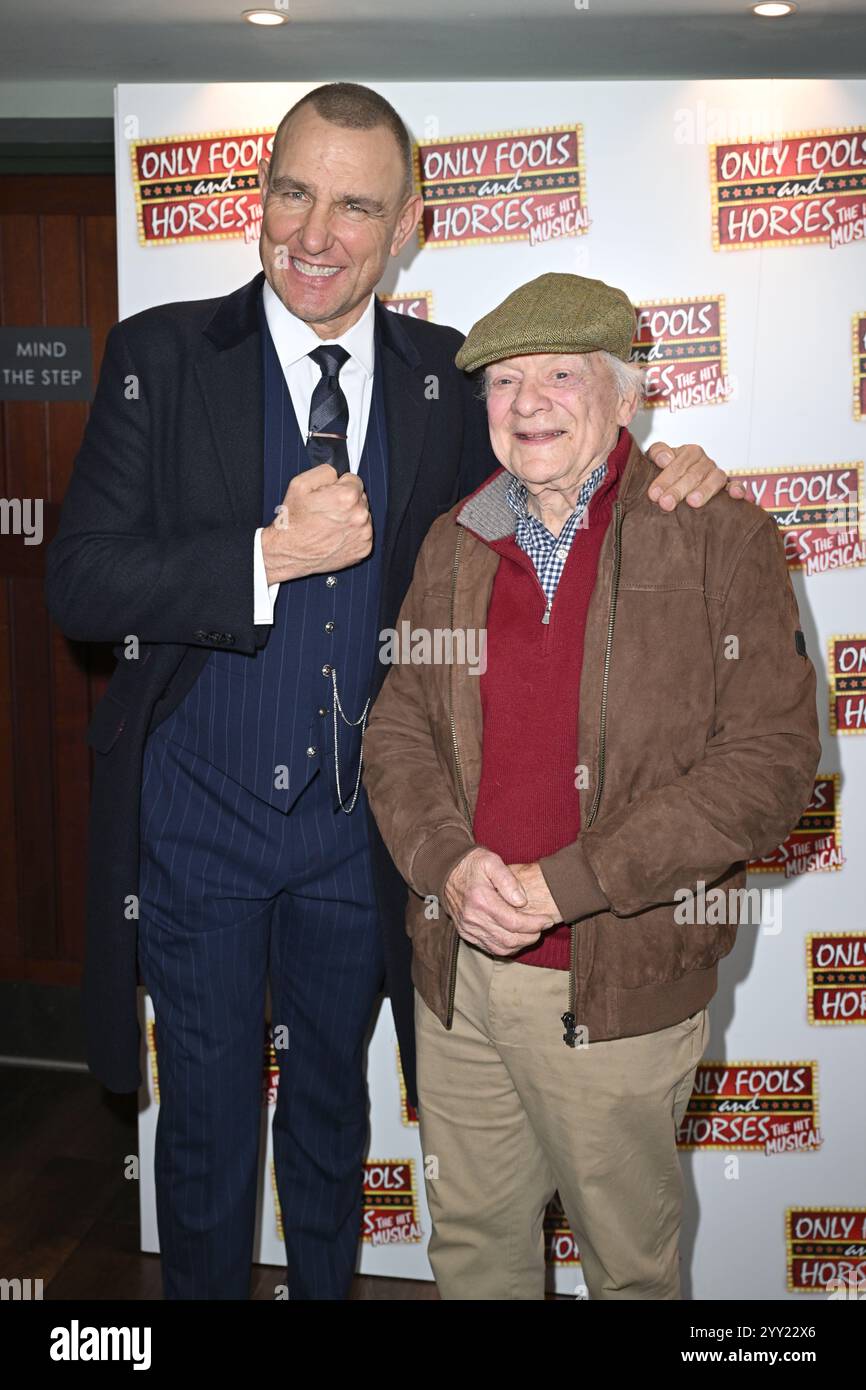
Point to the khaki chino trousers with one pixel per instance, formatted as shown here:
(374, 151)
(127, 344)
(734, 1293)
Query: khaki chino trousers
(508, 1115)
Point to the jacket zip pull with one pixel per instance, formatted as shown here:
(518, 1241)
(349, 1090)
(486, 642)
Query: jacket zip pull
(569, 1037)
(546, 615)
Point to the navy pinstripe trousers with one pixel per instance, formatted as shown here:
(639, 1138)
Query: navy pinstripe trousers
(234, 892)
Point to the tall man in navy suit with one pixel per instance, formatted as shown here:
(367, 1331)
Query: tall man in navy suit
(256, 477)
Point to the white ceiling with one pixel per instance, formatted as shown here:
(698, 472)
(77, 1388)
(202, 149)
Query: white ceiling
(406, 40)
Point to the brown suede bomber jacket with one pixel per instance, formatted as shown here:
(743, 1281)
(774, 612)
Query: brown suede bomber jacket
(697, 726)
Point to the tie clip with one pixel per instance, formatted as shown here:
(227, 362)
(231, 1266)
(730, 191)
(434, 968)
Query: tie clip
(324, 434)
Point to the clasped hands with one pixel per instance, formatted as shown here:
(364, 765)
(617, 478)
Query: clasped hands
(500, 907)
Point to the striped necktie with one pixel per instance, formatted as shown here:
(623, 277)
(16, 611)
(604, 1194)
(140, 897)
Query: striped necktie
(329, 411)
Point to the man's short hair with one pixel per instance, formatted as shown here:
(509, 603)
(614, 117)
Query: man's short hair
(355, 107)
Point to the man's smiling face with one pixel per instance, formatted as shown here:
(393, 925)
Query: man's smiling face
(553, 417)
(335, 208)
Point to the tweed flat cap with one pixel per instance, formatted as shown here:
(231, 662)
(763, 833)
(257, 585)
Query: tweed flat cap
(555, 313)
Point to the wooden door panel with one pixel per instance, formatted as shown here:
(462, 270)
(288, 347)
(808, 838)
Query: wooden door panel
(57, 266)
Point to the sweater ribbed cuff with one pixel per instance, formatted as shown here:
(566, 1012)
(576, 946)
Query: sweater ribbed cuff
(436, 858)
(572, 883)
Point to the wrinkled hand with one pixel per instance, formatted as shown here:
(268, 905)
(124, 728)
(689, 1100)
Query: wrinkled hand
(538, 896)
(687, 473)
(323, 524)
(489, 905)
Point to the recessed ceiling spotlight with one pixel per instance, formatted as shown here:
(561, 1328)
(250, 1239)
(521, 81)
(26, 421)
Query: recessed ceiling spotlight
(774, 10)
(264, 17)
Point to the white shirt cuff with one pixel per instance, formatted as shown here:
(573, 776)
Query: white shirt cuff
(264, 593)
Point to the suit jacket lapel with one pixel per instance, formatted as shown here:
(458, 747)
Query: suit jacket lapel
(229, 371)
(407, 412)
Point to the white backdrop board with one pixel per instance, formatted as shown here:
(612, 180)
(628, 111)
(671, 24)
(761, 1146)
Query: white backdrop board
(734, 215)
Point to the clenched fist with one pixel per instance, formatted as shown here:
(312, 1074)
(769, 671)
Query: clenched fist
(324, 524)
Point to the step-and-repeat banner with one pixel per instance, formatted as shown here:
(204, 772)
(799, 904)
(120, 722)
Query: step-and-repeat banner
(734, 215)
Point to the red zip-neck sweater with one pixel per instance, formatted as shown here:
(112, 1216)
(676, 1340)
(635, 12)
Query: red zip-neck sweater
(528, 804)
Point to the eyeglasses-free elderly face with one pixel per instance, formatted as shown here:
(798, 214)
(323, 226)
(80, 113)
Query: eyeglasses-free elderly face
(553, 417)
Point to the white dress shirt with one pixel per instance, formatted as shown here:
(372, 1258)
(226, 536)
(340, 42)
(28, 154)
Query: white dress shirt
(294, 340)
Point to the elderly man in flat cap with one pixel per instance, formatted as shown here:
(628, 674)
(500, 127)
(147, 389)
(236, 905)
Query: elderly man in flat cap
(643, 720)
